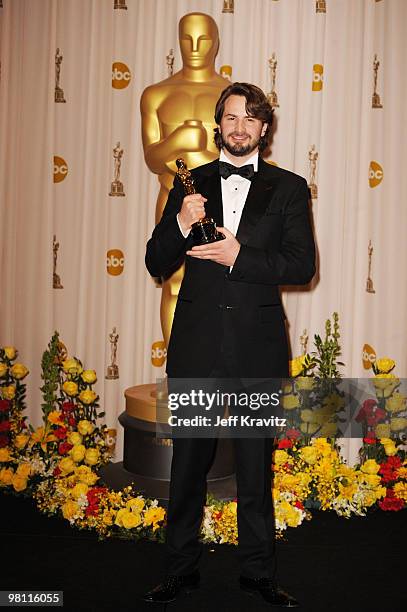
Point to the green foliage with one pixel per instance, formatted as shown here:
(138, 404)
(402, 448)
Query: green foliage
(51, 376)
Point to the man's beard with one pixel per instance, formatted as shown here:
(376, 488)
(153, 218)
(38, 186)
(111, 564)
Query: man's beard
(240, 150)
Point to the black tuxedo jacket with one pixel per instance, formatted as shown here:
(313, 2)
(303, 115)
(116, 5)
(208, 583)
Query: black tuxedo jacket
(277, 248)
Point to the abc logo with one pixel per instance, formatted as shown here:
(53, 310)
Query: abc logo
(120, 75)
(226, 71)
(60, 169)
(368, 356)
(317, 77)
(375, 174)
(158, 353)
(115, 262)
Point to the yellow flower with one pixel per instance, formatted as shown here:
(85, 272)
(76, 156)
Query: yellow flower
(153, 516)
(24, 470)
(373, 480)
(54, 417)
(20, 441)
(369, 498)
(309, 428)
(389, 446)
(290, 402)
(329, 430)
(78, 453)
(18, 371)
(348, 491)
(280, 457)
(87, 396)
(333, 402)
(386, 383)
(385, 365)
(72, 366)
(119, 517)
(19, 482)
(66, 465)
(70, 509)
(370, 467)
(10, 351)
(305, 383)
(396, 403)
(400, 490)
(309, 454)
(81, 488)
(3, 369)
(6, 476)
(85, 474)
(295, 366)
(135, 503)
(92, 456)
(70, 388)
(89, 376)
(322, 446)
(131, 519)
(8, 392)
(382, 430)
(75, 438)
(5, 455)
(85, 427)
(309, 416)
(402, 472)
(398, 424)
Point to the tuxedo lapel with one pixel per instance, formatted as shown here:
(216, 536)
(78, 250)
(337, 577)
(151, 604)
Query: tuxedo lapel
(259, 196)
(210, 188)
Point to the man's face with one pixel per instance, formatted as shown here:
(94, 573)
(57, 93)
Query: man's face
(198, 39)
(240, 133)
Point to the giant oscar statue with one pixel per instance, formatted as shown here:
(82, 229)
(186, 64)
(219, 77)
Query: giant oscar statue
(177, 121)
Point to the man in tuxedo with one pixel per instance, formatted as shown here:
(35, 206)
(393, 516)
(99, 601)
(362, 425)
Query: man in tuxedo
(229, 323)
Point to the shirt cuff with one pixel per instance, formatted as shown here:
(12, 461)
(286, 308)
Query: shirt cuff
(180, 228)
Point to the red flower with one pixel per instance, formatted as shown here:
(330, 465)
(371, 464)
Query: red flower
(370, 413)
(4, 405)
(61, 432)
(299, 504)
(64, 448)
(92, 510)
(5, 426)
(56, 471)
(285, 443)
(293, 434)
(391, 502)
(370, 440)
(68, 407)
(388, 469)
(4, 440)
(72, 421)
(94, 494)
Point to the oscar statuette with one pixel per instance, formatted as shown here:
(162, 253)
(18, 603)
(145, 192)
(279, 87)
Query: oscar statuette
(203, 231)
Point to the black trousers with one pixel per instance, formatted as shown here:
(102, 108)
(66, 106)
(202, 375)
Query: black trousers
(192, 459)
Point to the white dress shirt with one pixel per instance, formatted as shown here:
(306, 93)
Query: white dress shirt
(234, 193)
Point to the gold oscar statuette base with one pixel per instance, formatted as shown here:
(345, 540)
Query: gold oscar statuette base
(59, 95)
(313, 190)
(369, 286)
(376, 101)
(116, 189)
(112, 372)
(272, 99)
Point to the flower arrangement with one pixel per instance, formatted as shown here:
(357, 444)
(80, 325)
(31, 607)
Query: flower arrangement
(57, 463)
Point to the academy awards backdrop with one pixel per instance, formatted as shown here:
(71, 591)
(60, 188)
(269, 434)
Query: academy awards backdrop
(78, 200)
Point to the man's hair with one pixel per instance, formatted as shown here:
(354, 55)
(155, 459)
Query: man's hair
(257, 106)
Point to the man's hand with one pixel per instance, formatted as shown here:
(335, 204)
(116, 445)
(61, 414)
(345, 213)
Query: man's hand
(223, 252)
(192, 210)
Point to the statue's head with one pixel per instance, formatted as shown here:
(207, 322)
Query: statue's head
(199, 40)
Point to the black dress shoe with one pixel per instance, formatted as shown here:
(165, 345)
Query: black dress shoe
(270, 592)
(171, 587)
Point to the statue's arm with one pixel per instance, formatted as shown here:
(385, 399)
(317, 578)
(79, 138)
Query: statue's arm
(160, 153)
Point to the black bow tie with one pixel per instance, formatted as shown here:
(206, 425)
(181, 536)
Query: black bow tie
(225, 170)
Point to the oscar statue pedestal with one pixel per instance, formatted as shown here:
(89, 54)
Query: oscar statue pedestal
(147, 458)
